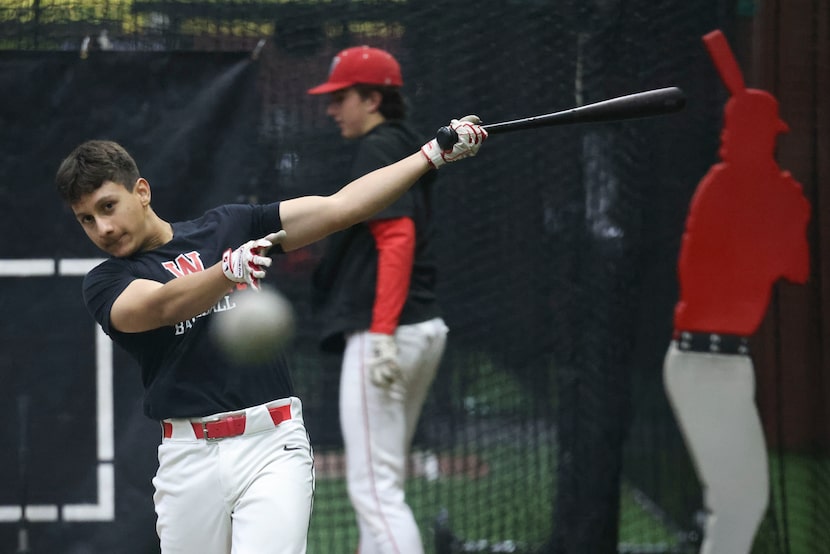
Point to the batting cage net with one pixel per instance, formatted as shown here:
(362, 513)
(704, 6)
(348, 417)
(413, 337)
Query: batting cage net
(548, 428)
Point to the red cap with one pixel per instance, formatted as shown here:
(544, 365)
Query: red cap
(364, 65)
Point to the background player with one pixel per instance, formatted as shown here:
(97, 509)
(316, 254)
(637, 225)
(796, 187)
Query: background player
(746, 228)
(375, 288)
(157, 297)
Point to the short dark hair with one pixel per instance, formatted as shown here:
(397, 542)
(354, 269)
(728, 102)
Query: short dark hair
(92, 164)
(392, 104)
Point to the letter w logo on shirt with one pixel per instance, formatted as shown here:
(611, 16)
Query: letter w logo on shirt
(185, 264)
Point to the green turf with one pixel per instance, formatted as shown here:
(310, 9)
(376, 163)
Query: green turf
(800, 491)
(493, 509)
(503, 506)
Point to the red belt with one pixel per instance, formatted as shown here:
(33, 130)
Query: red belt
(230, 426)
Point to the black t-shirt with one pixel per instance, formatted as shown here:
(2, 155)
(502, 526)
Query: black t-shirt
(344, 282)
(183, 371)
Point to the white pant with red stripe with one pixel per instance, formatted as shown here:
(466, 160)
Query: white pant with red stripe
(713, 398)
(246, 494)
(377, 432)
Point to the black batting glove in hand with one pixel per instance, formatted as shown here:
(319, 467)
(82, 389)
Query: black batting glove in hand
(470, 138)
(384, 370)
(246, 264)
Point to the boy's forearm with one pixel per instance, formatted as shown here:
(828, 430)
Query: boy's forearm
(310, 218)
(146, 305)
(371, 193)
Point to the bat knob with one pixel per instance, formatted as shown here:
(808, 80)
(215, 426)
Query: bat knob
(446, 137)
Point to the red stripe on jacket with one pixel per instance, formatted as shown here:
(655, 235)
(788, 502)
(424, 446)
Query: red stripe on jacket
(395, 241)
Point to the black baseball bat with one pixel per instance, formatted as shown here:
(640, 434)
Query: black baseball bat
(631, 106)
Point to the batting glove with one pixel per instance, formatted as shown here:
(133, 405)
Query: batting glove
(246, 263)
(384, 370)
(470, 138)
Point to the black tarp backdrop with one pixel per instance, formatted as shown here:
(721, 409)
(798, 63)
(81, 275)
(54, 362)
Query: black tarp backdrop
(530, 281)
(189, 119)
(191, 122)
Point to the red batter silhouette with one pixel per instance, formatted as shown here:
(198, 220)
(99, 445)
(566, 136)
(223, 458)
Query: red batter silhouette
(746, 229)
(747, 222)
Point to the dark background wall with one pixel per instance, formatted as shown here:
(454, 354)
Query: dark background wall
(557, 251)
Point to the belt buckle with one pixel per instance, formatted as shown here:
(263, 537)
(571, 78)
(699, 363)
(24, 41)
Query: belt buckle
(205, 435)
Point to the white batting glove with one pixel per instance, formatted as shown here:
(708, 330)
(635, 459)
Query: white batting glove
(246, 263)
(384, 370)
(470, 138)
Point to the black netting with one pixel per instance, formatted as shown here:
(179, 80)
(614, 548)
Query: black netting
(548, 427)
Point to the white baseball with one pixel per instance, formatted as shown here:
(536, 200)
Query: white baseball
(257, 326)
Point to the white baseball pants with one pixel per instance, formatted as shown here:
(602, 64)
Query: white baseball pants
(248, 494)
(378, 428)
(713, 398)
